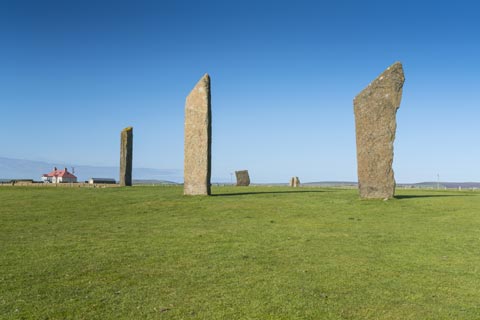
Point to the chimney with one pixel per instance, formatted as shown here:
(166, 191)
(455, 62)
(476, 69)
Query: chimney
(66, 170)
(54, 168)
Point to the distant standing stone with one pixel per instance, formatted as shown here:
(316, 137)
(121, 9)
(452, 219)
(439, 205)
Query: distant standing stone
(198, 139)
(294, 182)
(126, 156)
(243, 179)
(375, 111)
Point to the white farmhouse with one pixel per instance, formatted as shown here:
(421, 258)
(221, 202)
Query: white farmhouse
(59, 176)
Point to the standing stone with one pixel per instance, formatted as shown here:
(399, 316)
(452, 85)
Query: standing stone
(198, 139)
(375, 111)
(294, 182)
(243, 179)
(126, 156)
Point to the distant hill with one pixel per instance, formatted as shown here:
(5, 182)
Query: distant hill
(30, 169)
(433, 185)
(331, 184)
(153, 182)
(441, 185)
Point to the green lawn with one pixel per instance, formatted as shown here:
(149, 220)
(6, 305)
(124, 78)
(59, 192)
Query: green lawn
(245, 253)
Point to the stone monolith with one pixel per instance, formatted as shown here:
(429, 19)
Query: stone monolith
(243, 179)
(294, 182)
(375, 111)
(126, 156)
(198, 139)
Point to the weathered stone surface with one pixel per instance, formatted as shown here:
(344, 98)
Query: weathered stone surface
(294, 182)
(375, 111)
(198, 139)
(243, 179)
(126, 156)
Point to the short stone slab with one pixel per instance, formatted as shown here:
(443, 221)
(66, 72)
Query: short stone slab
(243, 179)
(294, 182)
(375, 111)
(198, 139)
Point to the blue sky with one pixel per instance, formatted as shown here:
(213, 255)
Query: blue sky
(284, 74)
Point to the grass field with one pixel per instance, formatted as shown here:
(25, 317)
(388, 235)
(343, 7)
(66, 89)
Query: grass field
(245, 253)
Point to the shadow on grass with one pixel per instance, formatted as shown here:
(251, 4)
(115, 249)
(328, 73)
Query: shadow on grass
(264, 192)
(432, 196)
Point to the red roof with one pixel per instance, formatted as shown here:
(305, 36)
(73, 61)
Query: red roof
(60, 173)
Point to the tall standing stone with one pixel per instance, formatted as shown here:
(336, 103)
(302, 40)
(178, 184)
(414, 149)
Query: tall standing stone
(243, 178)
(126, 156)
(375, 111)
(198, 139)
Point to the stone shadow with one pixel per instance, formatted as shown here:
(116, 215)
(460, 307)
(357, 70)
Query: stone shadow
(432, 196)
(265, 192)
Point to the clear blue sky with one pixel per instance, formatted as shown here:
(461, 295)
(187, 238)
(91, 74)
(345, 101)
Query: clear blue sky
(284, 74)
